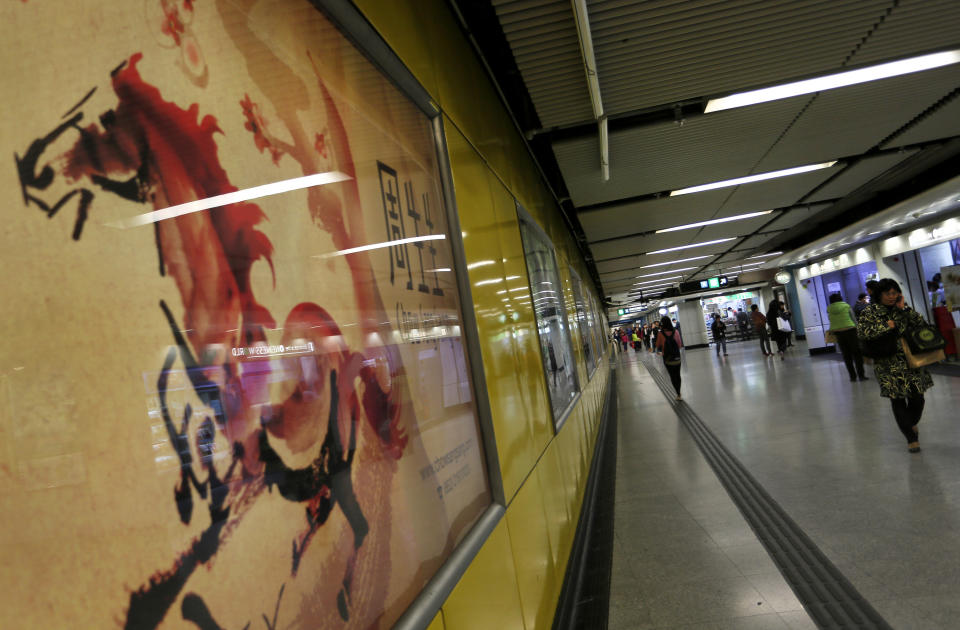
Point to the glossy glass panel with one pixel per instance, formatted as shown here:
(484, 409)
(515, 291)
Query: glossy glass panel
(234, 386)
(584, 323)
(554, 333)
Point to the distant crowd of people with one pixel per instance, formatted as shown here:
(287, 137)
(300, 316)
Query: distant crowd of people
(877, 325)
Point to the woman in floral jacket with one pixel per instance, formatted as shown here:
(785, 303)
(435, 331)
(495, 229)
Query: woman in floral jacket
(903, 385)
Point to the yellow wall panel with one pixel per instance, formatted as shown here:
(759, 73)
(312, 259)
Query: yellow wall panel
(529, 374)
(556, 506)
(409, 34)
(487, 596)
(481, 244)
(527, 523)
(437, 623)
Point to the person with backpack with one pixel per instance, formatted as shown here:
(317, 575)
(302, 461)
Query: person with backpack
(668, 346)
(719, 330)
(760, 325)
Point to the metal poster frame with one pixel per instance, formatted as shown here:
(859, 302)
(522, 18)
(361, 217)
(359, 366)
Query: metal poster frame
(525, 218)
(590, 338)
(424, 608)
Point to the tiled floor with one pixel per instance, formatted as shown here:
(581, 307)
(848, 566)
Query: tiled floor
(827, 450)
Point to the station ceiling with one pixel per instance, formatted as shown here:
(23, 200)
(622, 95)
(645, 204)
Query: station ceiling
(659, 62)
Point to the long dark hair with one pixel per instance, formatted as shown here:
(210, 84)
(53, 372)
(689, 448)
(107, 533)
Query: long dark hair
(774, 309)
(665, 324)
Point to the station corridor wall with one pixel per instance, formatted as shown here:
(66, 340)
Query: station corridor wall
(515, 580)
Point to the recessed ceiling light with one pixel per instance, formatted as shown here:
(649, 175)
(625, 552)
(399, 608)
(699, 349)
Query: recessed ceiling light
(836, 80)
(872, 233)
(657, 280)
(674, 262)
(673, 249)
(738, 217)
(753, 178)
(764, 255)
(665, 273)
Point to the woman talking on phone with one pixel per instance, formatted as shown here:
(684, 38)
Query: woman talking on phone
(884, 322)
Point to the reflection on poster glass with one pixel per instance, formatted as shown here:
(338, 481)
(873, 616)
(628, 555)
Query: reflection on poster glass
(260, 406)
(555, 344)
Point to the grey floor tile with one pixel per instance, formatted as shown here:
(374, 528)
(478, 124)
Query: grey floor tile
(827, 451)
(751, 558)
(776, 591)
(798, 620)
(698, 602)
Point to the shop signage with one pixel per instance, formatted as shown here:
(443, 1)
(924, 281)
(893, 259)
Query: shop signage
(746, 295)
(629, 309)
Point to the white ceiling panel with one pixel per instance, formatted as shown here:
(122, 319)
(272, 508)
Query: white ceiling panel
(775, 193)
(855, 176)
(912, 26)
(661, 51)
(850, 120)
(652, 214)
(643, 244)
(668, 156)
(943, 122)
(796, 216)
(654, 56)
(543, 37)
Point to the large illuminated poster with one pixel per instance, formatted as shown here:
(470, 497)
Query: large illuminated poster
(556, 348)
(223, 404)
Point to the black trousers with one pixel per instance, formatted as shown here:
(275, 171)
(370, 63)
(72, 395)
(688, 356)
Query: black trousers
(847, 340)
(674, 372)
(907, 412)
(780, 338)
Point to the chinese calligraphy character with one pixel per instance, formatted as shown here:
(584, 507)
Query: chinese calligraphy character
(389, 192)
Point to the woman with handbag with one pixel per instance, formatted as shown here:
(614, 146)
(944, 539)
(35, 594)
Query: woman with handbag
(776, 327)
(880, 328)
(844, 328)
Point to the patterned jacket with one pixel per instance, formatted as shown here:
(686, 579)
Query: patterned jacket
(896, 378)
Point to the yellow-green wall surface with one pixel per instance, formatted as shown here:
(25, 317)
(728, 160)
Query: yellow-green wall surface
(515, 580)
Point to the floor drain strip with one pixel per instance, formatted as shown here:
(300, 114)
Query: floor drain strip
(826, 594)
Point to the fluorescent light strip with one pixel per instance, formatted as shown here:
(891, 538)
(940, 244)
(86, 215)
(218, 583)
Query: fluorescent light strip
(832, 81)
(399, 241)
(753, 178)
(673, 249)
(656, 286)
(738, 217)
(674, 262)
(664, 273)
(657, 280)
(764, 255)
(274, 188)
(480, 263)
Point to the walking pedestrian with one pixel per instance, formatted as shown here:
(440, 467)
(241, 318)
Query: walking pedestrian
(844, 327)
(773, 321)
(860, 305)
(719, 330)
(760, 327)
(743, 323)
(888, 315)
(668, 347)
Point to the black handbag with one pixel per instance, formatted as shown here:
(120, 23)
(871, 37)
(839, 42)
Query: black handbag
(886, 345)
(924, 338)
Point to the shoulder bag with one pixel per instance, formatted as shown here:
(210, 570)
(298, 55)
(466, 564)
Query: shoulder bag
(924, 338)
(886, 345)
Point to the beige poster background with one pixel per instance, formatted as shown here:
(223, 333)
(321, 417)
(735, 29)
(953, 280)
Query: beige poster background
(91, 533)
